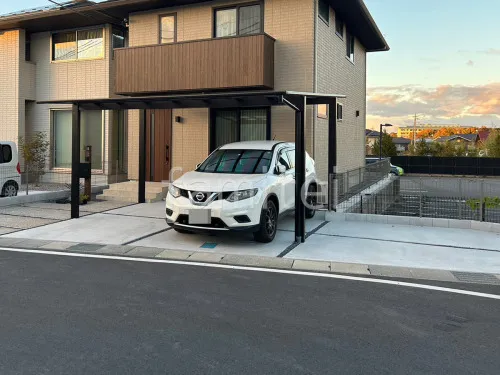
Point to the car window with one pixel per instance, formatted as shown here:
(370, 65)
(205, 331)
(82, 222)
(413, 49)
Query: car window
(291, 157)
(283, 160)
(237, 161)
(5, 154)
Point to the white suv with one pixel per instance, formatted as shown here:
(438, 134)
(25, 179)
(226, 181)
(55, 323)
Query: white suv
(10, 171)
(240, 186)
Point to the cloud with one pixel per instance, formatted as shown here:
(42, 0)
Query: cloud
(457, 104)
(470, 63)
(491, 51)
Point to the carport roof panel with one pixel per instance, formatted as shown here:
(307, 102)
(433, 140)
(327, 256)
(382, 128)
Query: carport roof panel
(209, 100)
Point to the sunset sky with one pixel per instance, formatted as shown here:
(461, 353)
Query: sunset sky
(444, 62)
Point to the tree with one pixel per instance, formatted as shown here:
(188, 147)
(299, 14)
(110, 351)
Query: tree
(420, 148)
(388, 146)
(492, 144)
(34, 151)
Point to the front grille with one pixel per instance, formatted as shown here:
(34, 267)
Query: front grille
(223, 195)
(216, 222)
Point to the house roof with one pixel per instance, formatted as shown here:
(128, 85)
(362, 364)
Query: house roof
(84, 13)
(371, 133)
(465, 137)
(401, 141)
(483, 135)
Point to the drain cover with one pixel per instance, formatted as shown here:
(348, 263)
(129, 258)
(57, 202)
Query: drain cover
(208, 245)
(479, 278)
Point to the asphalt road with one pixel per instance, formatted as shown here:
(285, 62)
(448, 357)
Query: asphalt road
(66, 315)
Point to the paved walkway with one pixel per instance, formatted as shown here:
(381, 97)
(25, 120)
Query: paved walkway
(345, 247)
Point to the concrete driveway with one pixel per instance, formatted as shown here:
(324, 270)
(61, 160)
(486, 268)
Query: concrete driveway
(351, 242)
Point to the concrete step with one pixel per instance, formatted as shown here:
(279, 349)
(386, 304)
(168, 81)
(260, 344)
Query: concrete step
(129, 194)
(133, 186)
(130, 198)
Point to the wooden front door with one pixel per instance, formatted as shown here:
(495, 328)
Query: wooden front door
(158, 144)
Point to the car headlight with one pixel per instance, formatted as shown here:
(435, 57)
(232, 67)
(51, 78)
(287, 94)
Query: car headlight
(174, 191)
(242, 194)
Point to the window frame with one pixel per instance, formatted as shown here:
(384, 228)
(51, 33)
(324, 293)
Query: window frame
(160, 16)
(53, 141)
(341, 112)
(338, 20)
(237, 7)
(213, 112)
(76, 30)
(326, 21)
(350, 46)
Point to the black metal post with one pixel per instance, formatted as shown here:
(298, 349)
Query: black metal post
(142, 157)
(332, 153)
(380, 143)
(300, 172)
(75, 163)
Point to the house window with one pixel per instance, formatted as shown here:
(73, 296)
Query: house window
(91, 123)
(239, 20)
(323, 110)
(350, 46)
(340, 112)
(75, 45)
(119, 141)
(167, 29)
(339, 26)
(236, 125)
(27, 48)
(324, 11)
(119, 39)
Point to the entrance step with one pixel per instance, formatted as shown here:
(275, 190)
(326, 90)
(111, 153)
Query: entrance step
(128, 191)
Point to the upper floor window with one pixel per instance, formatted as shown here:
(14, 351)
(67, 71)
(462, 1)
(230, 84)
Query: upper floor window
(79, 44)
(238, 20)
(324, 11)
(350, 46)
(167, 29)
(119, 39)
(340, 112)
(323, 110)
(339, 26)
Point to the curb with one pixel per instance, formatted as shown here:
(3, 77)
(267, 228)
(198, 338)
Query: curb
(255, 261)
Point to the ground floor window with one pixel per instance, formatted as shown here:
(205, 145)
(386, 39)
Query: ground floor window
(119, 142)
(235, 125)
(92, 125)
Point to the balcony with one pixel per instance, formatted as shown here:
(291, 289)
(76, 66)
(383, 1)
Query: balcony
(245, 62)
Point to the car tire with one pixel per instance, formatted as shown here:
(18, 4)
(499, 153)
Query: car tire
(311, 199)
(268, 223)
(183, 231)
(10, 189)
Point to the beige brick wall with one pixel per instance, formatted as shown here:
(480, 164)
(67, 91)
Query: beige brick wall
(11, 104)
(291, 22)
(337, 75)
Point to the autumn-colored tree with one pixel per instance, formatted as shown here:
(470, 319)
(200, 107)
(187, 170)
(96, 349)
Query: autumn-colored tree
(426, 133)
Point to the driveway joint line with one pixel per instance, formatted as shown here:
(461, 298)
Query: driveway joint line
(289, 248)
(146, 236)
(409, 242)
(310, 233)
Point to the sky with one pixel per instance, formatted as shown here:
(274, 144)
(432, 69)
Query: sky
(444, 62)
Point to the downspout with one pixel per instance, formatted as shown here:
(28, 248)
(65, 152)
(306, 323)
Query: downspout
(315, 78)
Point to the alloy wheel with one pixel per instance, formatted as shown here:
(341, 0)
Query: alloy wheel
(10, 191)
(271, 220)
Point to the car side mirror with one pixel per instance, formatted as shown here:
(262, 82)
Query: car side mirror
(280, 169)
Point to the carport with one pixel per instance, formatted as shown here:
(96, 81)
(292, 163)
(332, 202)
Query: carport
(297, 101)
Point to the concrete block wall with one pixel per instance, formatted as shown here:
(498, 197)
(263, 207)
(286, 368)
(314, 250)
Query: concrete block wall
(337, 75)
(290, 22)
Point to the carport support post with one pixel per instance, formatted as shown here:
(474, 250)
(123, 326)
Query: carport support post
(142, 157)
(300, 172)
(332, 155)
(75, 163)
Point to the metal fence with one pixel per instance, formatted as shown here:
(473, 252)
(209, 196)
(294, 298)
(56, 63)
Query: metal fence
(445, 197)
(350, 183)
(460, 166)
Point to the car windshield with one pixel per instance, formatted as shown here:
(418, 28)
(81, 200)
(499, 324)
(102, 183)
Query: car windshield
(237, 162)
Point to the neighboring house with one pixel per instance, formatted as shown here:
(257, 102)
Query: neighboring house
(468, 140)
(371, 137)
(483, 136)
(402, 144)
(87, 50)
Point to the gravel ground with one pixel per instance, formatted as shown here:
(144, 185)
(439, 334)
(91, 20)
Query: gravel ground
(45, 187)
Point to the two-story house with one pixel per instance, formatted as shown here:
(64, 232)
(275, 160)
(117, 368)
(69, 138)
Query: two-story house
(87, 50)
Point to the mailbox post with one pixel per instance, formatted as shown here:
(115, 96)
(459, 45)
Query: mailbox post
(88, 180)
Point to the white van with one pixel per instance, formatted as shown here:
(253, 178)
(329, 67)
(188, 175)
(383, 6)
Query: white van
(10, 170)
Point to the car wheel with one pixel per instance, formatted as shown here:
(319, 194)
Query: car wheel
(268, 223)
(311, 200)
(183, 231)
(9, 190)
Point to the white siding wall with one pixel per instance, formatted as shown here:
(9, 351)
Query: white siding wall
(337, 75)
